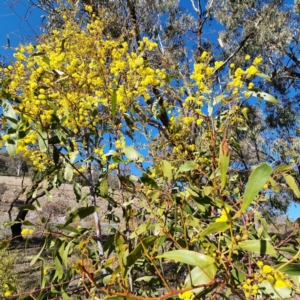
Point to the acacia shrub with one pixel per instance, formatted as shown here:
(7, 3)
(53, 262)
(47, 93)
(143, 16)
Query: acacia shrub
(186, 200)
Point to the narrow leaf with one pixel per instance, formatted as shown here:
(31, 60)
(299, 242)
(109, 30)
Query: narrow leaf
(187, 166)
(189, 257)
(55, 155)
(258, 246)
(38, 255)
(292, 184)
(43, 140)
(265, 96)
(264, 76)
(68, 172)
(291, 269)
(200, 276)
(215, 227)
(256, 181)
(132, 154)
(80, 214)
(224, 162)
(27, 207)
(11, 144)
(77, 191)
(167, 169)
(139, 250)
(219, 98)
(59, 271)
(9, 114)
(103, 187)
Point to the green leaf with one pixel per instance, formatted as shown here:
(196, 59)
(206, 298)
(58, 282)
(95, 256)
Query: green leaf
(68, 172)
(65, 296)
(77, 191)
(120, 249)
(266, 288)
(132, 154)
(265, 96)
(139, 250)
(215, 227)
(114, 103)
(193, 222)
(224, 161)
(49, 196)
(27, 223)
(37, 54)
(68, 228)
(59, 271)
(264, 76)
(256, 181)
(291, 269)
(43, 140)
(27, 207)
(187, 166)
(200, 276)
(55, 156)
(145, 278)
(46, 60)
(43, 277)
(219, 98)
(189, 257)
(292, 184)
(65, 254)
(80, 214)
(11, 144)
(9, 114)
(35, 258)
(282, 167)
(167, 169)
(102, 187)
(258, 246)
(62, 47)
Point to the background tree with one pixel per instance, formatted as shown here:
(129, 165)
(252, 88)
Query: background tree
(265, 28)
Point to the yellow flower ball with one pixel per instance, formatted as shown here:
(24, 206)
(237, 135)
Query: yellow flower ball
(267, 269)
(5, 137)
(7, 293)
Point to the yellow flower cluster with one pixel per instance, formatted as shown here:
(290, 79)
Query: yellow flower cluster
(266, 274)
(5, 137)
(26, 231)
(99, 152)
(202, 74)
(186, 296)
(223, 217)
(120, 143)
(8, 290)
(57, 80)
(269, 274)
(38, 159)
(237, 80)
(250, 290)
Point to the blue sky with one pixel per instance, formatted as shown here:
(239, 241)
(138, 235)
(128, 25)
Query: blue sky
(21, 23)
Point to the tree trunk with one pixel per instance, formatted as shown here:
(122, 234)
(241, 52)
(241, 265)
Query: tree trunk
(16, 229)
